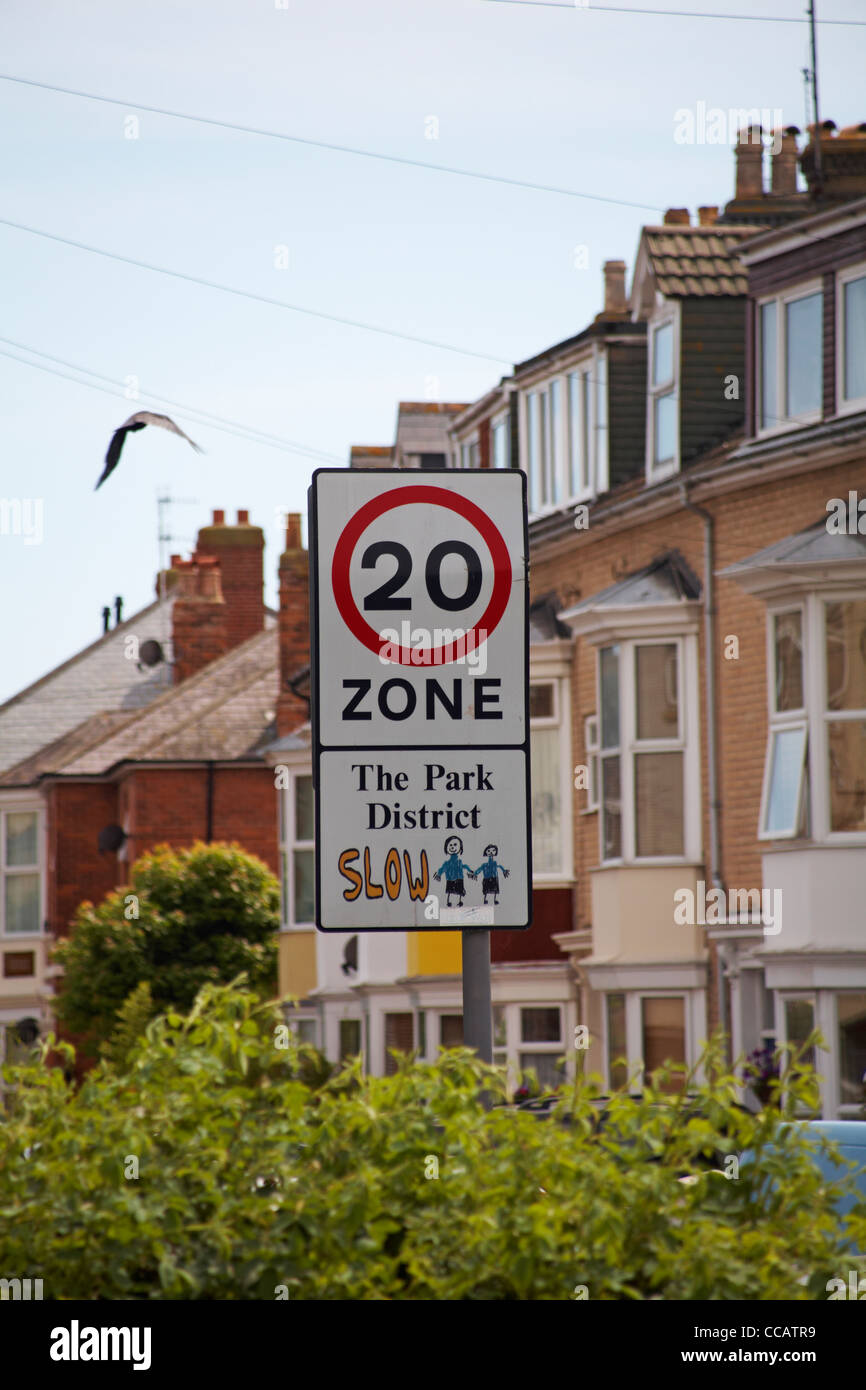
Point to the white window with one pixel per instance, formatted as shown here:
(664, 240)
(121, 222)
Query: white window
(500, 442)
(790, 358)
(851, 340)
(551, 799)
(297, 854)
(654, 1028)
(785, 790)
(815, 765)
(648, 793)
(662, 419)
(565, 435)
(20, 872)
(591, 744)
(531, 1038)
(851, 1028)
(470, 453)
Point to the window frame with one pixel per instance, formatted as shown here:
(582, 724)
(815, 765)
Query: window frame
(634, 1049)
(630, 747)
(843, 278)
(554, 471)
(287, 845)
(502, 420)
(559, 721)
(12, 805)
(815, 715)
(803, 290)
(668, 315)
(592, 749)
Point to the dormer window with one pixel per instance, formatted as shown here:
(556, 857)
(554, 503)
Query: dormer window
(790, 358)
(851, 340)
(565, 434)
(662, 411)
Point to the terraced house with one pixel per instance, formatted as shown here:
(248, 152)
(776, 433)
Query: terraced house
(698, 661)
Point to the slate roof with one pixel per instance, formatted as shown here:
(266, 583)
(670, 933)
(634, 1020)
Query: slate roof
(100, 677)
(698, 260)
(667, 580)
(814, 546)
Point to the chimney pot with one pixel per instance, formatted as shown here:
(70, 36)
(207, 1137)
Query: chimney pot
(783, 175)
(707, 216)
(678, 217)
(750, 162)
(219, 517)
(175, 561)
(293, 531)
(614, 287)
(243, 518)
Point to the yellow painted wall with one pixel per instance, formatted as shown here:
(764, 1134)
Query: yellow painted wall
(297, 963)
(434, 953)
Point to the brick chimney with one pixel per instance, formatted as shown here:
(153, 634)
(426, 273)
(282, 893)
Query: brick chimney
(708, 216)
(749, 154)
(614, 287)
(240, 551)
(294, 628)
(783, 176)
(198, 616)
(843, 163)
(678, 217)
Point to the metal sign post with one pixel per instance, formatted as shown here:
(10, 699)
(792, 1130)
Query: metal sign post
(420, 695)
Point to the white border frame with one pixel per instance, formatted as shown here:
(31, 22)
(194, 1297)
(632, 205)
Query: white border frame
(843, 278)
(784, 423)
(670, 314)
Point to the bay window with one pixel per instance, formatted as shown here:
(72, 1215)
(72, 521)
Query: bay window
(790, 358)
(500, 442)
(647, 766)
(551, 786)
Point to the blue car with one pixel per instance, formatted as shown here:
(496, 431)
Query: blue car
(849, 1137)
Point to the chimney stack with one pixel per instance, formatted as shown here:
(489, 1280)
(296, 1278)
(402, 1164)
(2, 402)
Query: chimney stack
(678, 217)
(294, 627)
(198, 615)
(750, 162)
(614, 287)
(240, 551)
(783, 177)
(708, 216)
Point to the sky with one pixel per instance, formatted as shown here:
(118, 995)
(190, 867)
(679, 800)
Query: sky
(565, 96)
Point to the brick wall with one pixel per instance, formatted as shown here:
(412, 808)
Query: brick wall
(77, 811)
(745, 522)
(240, 550)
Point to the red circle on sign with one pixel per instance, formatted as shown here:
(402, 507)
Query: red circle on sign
(437, 497)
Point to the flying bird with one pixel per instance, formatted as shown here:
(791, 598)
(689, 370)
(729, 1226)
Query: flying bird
(138, 422)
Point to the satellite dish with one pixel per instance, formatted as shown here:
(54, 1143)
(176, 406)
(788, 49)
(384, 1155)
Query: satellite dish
(27, 1030)
(111, 838)
(150, 653)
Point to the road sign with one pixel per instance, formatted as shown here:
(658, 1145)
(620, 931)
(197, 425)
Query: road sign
(420, 681)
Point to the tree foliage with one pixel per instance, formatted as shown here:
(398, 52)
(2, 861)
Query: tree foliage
(253, 1183)
(189, 917)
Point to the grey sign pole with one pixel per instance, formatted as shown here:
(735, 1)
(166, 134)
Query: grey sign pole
(477, 1003)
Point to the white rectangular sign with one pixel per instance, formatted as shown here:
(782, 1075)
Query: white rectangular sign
(420, 680)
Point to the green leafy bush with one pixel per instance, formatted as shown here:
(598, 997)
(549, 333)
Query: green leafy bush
(252, 1184)
(189, 917)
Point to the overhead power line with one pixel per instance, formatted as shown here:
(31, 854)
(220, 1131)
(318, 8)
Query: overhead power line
(243, 432)
(207, 415)
(249, 294)
(674, 14)
(327, 145)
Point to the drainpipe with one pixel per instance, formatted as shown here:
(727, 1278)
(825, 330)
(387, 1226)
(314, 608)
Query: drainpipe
(209, 811)
(712, 741)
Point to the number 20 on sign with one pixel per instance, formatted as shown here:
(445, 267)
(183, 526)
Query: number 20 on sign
(420, 680)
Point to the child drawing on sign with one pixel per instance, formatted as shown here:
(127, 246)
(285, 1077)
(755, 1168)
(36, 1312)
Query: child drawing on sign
(490, 872)
(453, 869)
